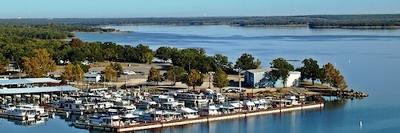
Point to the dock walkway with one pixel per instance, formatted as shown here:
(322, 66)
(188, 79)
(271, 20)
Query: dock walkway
(146, 126)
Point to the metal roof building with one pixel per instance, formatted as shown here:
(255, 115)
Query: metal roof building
(27, 81)
(12, 91)
(14, 81)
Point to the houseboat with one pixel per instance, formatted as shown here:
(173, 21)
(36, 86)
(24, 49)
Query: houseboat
(159, 116)
(188, 113)
(192, 100)
(25, 112)
(209, 111)
(105, 120)
(75, 106)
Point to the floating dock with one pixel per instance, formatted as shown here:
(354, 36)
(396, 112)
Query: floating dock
(147, 126)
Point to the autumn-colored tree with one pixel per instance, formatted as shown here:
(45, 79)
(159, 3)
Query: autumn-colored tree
(39, 64)
(154, 75)
(73, 73)
(68, 73)
(334, 77)
(3, 64)
(194, 78)
(220, 79)
(76, 43)
(109, 73)
(329, 73)
(78, 73)
(340, 82)
(118, 68)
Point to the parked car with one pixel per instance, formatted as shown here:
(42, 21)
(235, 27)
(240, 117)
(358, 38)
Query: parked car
(234, 90)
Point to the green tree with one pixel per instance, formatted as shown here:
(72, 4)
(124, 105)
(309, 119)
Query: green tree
(154, 75)
(192, 58)
(145, 54)
(281, 69)
(246, 62)
(310, 69)
(175, 74)
(39, 64)
(3, 64)
(221, 62)
(221, 79)
(194, 78)
(165, 53)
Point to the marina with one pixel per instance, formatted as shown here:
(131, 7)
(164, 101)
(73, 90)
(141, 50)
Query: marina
(122, 110)
(148, 126)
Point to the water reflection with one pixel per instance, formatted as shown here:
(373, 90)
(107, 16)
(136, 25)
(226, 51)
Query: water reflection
(335, 103)
(29, 123)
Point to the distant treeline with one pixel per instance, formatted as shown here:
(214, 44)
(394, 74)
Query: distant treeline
(313, 21)
(20, 41)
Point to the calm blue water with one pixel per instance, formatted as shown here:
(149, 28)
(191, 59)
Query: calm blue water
(369, 59)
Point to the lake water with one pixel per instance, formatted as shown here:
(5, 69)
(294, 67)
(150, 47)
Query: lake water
(369, 59)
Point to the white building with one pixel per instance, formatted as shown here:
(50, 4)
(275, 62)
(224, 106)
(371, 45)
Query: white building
(293, 79)
(92, 77)
(258, 78)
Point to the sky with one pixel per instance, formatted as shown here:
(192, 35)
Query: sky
(189, 8)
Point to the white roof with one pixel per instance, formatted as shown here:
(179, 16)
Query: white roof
(91, 75)
(28, 81)
(212, 107)
(259, 70)
(130, 116)
(15, 81)
(234, 104)
(37, 90)
(43, 80)
(249, 103)
(187, 110)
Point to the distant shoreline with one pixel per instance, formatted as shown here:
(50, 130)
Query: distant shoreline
(270, 26)
(370, 21)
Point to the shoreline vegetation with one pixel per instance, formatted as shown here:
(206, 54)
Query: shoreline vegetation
(368, 21)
